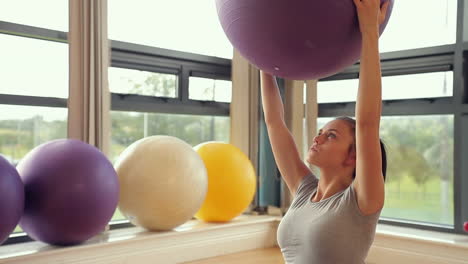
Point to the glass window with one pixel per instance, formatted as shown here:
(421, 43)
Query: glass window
(338, 91)
(190, 26)
(419, 185)
(424, 85)
(126, 81)
(210, 89)
(33, 67)
(24, 127)
(128, 127)
(53, 14)
(436, 25)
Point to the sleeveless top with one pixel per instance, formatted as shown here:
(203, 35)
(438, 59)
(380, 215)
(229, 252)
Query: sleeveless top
(332, 230)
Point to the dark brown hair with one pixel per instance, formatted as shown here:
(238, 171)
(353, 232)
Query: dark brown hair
(352, 124)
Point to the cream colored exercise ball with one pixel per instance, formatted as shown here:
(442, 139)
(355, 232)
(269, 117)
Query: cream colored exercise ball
(163, 182)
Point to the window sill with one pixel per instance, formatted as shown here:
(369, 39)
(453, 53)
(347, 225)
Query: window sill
(197, 240)
(394, 244)
(192, 241)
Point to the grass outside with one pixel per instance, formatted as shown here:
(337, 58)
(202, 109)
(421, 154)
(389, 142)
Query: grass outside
(406, 200)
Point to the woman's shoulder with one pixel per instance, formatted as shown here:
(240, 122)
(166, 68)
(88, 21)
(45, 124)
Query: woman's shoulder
(350, 199)
(307, 185)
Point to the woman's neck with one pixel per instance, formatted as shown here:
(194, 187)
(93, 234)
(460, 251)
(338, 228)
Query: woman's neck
(330, 183)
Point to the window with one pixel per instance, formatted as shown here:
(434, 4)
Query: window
(33, 67)
(127, 81)
(128, 127)
(53, 14)
(210, 90)
(190, 26)
(34, 79)
(24, 127)
(419, 183)
(424, 85)
(435, 25)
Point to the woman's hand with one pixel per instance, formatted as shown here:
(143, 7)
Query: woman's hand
(371, 15)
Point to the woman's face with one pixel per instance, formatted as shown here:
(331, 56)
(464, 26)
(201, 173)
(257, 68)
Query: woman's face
(331, 146)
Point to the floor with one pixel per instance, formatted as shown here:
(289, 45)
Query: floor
(258, 256)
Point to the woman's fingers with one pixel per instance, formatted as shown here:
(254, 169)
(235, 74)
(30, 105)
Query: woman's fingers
(383, 11)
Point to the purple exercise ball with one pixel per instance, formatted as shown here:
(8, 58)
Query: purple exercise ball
(71, 192)
(299, 40)
(11, 199)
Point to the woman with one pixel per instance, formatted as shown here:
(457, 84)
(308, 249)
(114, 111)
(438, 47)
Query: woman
(333, 220)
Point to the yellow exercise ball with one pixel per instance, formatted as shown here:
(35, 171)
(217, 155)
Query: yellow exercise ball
(232, 182)
(163, 182)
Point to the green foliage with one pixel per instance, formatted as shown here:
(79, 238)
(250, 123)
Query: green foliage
(406, 200)
(420, 161)
(419, 147)
(18, 137)
(156, 84)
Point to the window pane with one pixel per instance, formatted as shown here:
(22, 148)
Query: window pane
(435, 25)
(128, 81)
(420, 168)
(424, 85)
(24, 127)
(128, 127)
(53, 14)
(210, 90)
(33, 67)
(419, 184)
(190, 26)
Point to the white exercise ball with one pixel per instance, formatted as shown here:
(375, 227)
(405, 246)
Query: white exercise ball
(163, 182)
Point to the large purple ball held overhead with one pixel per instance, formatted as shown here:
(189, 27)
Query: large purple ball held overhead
(71, 191)
(299, 40)
(11, 199)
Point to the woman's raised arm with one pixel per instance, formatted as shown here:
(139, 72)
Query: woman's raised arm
(369, 182)
(287, 157)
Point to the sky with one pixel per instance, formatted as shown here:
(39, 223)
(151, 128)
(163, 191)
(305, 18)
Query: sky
(40, 68)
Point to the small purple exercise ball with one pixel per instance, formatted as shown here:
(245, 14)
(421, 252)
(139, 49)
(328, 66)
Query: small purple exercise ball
(11, 199)
(299, 40)
(71, 192)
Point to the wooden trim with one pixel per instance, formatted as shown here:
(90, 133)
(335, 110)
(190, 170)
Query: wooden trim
(311, 112)
(254, 114)
(293, 115)
(294, 110)
(244, 108)
(402, 248)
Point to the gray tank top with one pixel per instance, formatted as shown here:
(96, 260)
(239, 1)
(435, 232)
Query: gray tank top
(332, 230)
